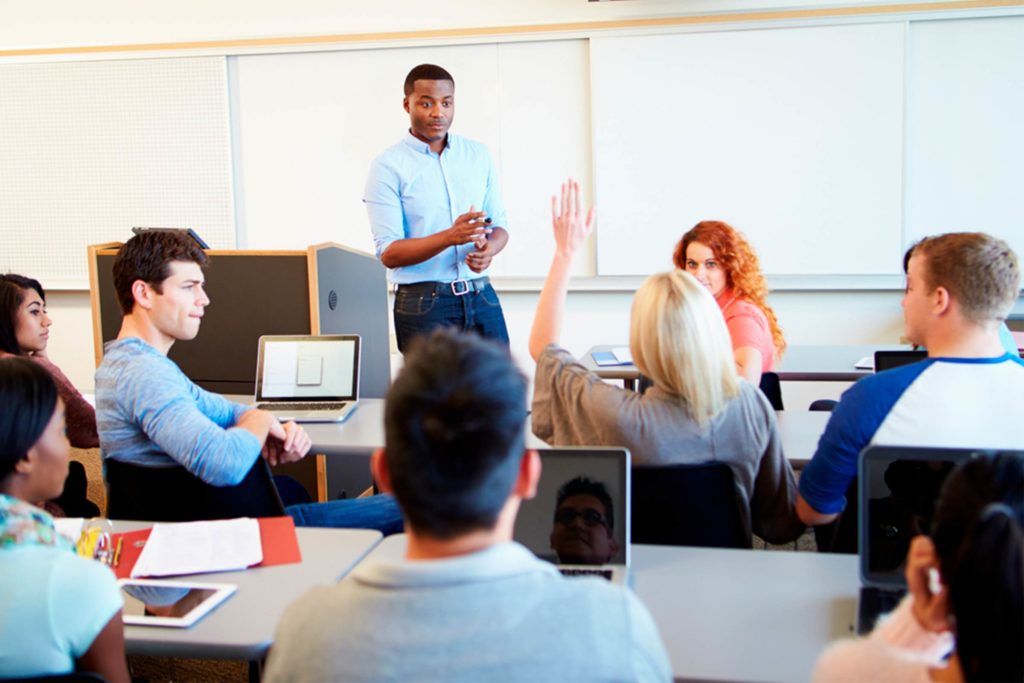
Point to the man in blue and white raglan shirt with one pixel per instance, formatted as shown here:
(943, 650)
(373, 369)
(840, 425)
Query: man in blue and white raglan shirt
(968, 393)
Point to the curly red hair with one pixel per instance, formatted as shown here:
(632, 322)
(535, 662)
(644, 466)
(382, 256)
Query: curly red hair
(741, 265)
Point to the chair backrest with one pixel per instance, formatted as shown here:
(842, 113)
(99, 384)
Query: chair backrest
(772, 389)
(173, 494)
(695, 505)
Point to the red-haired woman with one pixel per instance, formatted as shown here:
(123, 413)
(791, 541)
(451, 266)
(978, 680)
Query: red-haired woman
(722, 260)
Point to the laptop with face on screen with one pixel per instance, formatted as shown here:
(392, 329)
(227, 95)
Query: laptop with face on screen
(308, 378)
(579, 519)
(898, 489)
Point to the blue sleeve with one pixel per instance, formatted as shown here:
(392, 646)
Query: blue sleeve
(649, 658)
(162, 403)
(493, 206)
(85, 597)
(383, 199)
(221, 411)
(1007, 340)
(859, 414)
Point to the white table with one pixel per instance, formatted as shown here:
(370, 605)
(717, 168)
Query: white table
(799, 363)
(746, 615)
(735, 615)
(243, 626)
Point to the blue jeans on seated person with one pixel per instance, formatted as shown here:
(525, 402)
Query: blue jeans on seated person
(420, 309)
(379, 512)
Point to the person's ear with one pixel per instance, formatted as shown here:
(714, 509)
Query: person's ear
(613, 546)
(529, 475)
(142, 292)
(941, 300)
(25, 466)
(405, 104)
(379, 470)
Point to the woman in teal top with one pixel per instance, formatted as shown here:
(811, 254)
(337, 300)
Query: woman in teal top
(59, 612)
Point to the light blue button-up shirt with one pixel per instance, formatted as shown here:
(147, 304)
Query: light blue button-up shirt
(412, 192)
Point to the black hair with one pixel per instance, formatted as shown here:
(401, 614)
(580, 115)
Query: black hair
(12, 295)
(148, 257)
(29, 397)
(454, 423)
(426, 72)
(980, 546)
(585, 486)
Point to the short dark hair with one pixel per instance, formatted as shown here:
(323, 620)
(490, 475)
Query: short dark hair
(454, 423)
(585, 486)
(12, 295)
(29, 397)
(977, 530)
(426, 72)
(148, 257)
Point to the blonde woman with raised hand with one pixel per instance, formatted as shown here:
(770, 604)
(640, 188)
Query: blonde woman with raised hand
(698, 410)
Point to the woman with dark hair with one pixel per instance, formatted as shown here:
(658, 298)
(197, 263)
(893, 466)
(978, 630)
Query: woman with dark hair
(25, 331)
(61, 612)
(965, 590)
(723, 261)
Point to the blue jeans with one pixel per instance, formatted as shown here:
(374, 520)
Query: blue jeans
(428, 308)
(379, 512)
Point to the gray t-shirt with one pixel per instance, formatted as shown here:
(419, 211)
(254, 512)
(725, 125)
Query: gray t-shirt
(495, 615)
(574, 407)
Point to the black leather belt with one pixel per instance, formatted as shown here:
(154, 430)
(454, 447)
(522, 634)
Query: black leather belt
(454, 288)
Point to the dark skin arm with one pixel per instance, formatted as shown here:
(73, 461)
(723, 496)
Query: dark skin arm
(469, 227)
(479, 260)
(106, 654)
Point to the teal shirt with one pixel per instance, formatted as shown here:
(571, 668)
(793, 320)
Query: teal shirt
(53, 604)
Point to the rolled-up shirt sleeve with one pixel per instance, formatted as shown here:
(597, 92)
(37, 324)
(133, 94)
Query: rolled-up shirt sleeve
(383, 201)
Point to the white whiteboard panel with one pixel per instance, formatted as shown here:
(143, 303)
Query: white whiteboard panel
(90, 149)
(308, 125)
(794, 136)
(965, 112)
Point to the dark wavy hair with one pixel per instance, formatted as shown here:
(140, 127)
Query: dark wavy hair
(29, 397)
(454, 422)
(12, 295)
(148, 257)
(980, 545)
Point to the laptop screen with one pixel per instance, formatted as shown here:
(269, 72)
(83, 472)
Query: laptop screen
(310, 368)
(580, 514)
(887, 360)
(898, 490)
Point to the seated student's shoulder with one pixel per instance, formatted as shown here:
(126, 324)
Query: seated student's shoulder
(863, 659)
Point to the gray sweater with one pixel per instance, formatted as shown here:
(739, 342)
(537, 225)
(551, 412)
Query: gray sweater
(574, 407)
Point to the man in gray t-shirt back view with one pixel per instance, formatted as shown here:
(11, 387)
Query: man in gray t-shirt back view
(466, 602)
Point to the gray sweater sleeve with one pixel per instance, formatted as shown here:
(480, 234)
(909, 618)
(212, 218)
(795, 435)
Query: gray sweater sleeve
(773, 504)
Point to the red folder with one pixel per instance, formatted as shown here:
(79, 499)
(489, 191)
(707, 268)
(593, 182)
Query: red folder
(277, 535)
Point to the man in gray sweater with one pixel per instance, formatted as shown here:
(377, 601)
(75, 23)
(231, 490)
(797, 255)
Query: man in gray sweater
(466, 602)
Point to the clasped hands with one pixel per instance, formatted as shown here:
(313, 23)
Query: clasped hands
(286, 443)
(471, 227)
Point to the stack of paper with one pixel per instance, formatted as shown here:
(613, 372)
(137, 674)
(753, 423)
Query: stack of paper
(623, 355)
(200, 547)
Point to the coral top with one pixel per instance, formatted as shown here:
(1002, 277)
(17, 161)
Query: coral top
(748, 326)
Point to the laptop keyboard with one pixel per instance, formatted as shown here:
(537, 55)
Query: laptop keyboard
(301, 406)
(604, 573)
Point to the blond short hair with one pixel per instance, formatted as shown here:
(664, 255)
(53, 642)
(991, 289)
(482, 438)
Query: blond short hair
(980, 272)
(678, 338)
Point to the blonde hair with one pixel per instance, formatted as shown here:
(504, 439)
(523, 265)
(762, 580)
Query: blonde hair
(678, 338)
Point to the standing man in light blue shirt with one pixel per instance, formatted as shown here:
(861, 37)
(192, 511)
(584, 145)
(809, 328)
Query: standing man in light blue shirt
(437, 217)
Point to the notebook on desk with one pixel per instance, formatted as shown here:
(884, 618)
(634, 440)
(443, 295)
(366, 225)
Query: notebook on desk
(308, 378)
(898, 490)
(579, 519)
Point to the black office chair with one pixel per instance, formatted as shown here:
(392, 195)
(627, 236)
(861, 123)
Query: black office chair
(695, 505)
(772, 389)
(823, 405)
(173, 494)
(840, 535)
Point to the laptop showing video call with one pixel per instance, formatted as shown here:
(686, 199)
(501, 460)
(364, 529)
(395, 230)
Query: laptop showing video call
(308, 378)
(579, 519)
(898, 488)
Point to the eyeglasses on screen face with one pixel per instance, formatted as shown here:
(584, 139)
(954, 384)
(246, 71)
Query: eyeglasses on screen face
(591, 517)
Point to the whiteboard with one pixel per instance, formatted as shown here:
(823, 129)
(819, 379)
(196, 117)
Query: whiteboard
(308, 125)
(90, 149)
(794, 136)
(965, 112)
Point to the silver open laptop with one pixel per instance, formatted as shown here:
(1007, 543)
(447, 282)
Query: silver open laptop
(579, 519)
(308, 378)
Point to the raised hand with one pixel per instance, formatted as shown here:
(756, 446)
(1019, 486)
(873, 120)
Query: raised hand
(570, 228)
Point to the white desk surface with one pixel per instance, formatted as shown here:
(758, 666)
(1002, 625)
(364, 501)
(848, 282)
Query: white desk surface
(363, 432)
(736, 615)
(799, 363)
(243, 626)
